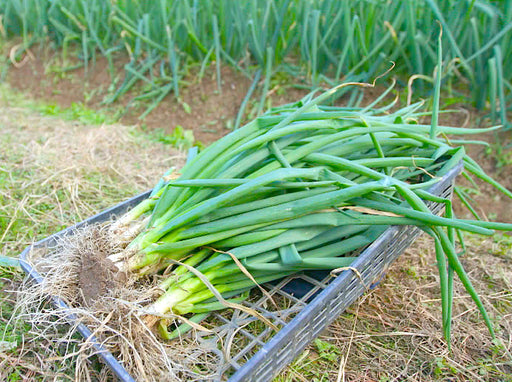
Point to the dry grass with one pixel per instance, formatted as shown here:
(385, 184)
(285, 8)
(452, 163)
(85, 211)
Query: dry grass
(55, 173)
(394, 333)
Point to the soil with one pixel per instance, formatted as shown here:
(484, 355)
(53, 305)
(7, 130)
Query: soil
(489, 203)
(201, 108)
(97, 275)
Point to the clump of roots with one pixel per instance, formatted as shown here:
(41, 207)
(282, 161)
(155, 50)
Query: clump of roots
(111, 305)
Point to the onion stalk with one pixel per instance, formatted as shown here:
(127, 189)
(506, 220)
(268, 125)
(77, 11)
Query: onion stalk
(300, 188)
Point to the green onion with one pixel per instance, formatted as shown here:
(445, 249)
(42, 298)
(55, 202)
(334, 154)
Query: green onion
(302, 187)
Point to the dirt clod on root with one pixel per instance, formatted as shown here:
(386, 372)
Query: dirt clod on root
(97, 275)
(112, 305)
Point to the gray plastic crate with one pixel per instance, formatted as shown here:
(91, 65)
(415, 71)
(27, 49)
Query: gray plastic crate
(315, 299)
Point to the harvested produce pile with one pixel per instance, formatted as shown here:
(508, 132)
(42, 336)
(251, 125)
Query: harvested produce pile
(301, 187)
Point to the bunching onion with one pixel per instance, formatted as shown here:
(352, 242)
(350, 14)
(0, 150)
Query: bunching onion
(302, 187)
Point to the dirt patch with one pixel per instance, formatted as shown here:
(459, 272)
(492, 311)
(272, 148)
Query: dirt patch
(209, 112)
(489, 203)
(97, 276)
(201, 107)
(494, 159)
(91, 275)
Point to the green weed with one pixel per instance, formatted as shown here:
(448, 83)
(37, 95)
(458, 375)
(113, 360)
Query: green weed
(318, 365)
(179, 138)
(77, 112)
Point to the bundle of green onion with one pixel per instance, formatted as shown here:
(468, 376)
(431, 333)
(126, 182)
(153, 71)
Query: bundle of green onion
(299, 188)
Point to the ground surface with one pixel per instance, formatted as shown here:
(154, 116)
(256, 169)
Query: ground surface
(55, 172)
(202, 106)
